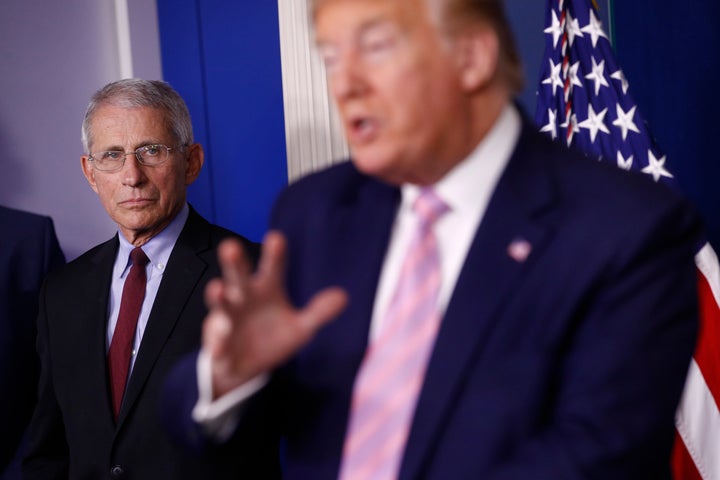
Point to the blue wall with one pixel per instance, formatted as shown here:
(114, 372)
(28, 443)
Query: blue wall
(224, 59)
(672, 62)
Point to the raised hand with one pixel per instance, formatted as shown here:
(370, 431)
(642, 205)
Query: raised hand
(251, 327)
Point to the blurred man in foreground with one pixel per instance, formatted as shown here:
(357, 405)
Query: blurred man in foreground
(495, 313)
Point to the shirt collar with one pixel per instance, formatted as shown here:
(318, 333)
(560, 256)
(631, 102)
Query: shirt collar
(469, 185)
(157, 249)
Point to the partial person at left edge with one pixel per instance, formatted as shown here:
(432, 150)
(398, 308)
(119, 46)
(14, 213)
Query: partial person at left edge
(113, 321)
(29, 248)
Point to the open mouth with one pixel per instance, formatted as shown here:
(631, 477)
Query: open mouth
(362, 129)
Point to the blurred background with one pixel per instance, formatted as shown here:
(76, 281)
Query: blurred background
(256, 95)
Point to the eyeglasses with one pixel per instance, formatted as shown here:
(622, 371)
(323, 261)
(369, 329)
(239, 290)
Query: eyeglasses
(149, 155)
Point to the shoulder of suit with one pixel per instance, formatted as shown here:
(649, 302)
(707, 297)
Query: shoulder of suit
(340, 181)
(103, 252)
(15, 219)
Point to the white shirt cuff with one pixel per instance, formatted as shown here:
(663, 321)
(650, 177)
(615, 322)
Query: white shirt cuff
(219, 418)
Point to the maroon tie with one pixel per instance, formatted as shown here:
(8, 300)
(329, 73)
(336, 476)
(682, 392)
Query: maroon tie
(122, 339)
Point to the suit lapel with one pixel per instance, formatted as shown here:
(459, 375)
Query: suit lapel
(94, 321)
(184, 270)
(358, 235)
(364, 255)
(518, 216)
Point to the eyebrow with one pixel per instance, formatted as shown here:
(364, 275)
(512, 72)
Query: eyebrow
(118, 148)
(366, 26)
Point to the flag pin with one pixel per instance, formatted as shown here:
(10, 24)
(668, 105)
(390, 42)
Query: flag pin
(519, 249)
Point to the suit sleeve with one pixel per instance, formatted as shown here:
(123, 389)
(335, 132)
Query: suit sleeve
(47, 454)
(53, 254)
(35, 252)
(180, 394)
(254, 445)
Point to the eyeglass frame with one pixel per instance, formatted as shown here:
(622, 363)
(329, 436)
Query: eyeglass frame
(137, 152)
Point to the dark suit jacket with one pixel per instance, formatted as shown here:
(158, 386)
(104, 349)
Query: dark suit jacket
(72, 433)
(567, 365)
(28, 249)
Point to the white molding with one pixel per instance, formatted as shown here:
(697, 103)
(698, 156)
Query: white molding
(122, 23)
(313, 134)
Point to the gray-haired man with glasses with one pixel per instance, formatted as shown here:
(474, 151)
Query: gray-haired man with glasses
(105, 348)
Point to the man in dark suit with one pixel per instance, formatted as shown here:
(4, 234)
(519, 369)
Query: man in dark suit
(96, 414)
(29, 249)
(503, 308)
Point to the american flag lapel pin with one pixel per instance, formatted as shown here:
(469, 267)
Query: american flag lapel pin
(519, 249)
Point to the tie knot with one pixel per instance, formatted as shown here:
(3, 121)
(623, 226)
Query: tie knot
(138, 257)
(429, 206)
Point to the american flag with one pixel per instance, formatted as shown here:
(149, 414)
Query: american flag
(584, 101)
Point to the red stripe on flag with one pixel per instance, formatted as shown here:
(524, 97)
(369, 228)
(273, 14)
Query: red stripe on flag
(707, 352)
(707, 358)
(683, 466)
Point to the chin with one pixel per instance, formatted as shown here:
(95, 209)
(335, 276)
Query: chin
(375, 165)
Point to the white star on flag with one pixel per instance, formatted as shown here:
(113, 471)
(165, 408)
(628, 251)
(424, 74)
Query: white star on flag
(598, 75)
(573, 74)
(624, 163)
(619, 75)
(572, 27)
(594, 28)
(595, 122)
(555, 29)
(624, 121)
(551, 126)
(656, 167)
(554, 78)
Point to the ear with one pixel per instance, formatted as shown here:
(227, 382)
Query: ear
(477, 54)
(88, 171)
(195, 160)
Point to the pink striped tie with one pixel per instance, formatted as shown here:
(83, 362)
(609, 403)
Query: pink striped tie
(387, 385)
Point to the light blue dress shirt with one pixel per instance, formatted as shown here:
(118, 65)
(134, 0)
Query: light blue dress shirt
(158, 250)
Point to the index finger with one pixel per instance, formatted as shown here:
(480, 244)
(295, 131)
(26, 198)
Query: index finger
(235, 268)
(271, 267)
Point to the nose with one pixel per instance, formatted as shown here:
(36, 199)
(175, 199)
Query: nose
(132, 171)
(346, 78)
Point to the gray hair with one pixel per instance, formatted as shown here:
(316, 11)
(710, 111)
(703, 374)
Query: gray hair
(459, 14)
(135, 93)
